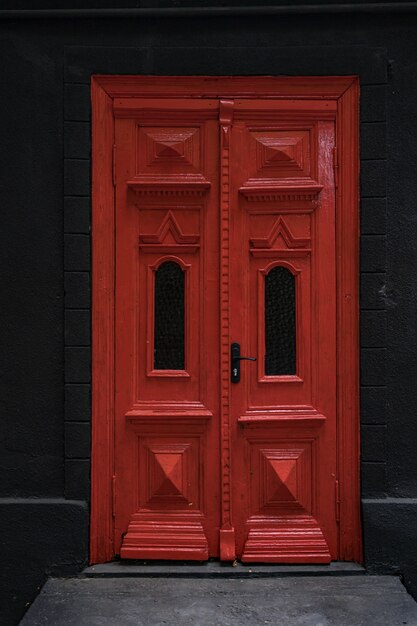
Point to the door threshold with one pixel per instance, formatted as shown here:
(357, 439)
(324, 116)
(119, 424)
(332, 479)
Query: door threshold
(216, 569)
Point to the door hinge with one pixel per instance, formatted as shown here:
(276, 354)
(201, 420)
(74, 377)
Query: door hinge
(336, 167)
(113, 481)
(114, 165)
(337, 500)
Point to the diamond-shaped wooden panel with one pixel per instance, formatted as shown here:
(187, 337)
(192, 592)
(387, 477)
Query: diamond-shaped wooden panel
(283, 153)
(282, 478)
(169, 474)
(167, 150)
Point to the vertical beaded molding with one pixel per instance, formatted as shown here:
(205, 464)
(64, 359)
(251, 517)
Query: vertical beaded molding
(227, 533)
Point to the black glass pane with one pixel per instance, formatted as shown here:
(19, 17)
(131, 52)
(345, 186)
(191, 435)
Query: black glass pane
(279, 322)
(169, 317)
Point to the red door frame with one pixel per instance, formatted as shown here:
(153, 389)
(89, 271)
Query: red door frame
(104, 92)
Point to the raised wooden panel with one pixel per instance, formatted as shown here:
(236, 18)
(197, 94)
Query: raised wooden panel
(282, 475)
(169, 473)
(168, 150)
(282, 164)
(282, 154)
(169, 161)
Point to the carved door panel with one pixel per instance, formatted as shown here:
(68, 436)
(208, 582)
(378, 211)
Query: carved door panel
(283, 312)
(225, 233)
(167, 429)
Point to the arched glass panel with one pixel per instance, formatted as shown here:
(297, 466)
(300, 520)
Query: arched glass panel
(280, 348)
(169, 317)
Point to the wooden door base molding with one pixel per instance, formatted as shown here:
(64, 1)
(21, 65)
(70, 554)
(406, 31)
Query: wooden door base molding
(172, 537)
(292, 540)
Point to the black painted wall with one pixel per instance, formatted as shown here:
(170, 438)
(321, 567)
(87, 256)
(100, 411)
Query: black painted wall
(45, 258)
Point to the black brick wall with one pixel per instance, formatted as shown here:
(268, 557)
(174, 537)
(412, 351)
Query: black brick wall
(77, 266)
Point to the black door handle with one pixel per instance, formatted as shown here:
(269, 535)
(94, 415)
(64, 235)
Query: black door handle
(235, 360)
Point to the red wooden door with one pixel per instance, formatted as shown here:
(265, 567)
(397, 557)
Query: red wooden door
(283, 312)
(225, 233)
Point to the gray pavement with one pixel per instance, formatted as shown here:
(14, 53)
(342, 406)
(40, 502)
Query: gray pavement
(290, 601)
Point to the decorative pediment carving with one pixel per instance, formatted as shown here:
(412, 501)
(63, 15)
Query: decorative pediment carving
(272, 190)
(170, 186)
(169, 236)
(262, 245)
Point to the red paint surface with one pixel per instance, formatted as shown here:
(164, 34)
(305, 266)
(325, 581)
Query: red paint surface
(228, 185)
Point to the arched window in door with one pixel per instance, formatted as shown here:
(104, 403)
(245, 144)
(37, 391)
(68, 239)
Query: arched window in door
(169, 314)
(280, 322)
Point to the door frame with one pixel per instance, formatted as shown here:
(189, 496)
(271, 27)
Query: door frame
(105, 90)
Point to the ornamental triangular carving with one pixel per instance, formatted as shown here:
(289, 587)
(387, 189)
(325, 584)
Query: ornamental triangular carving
(168, 474)
(280, 228)
(169, 232)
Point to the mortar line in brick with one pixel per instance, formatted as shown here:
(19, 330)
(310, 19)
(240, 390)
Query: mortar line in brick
(366, 84)
(375, 462)
(364, 386)
(86, 308)
(86, 384)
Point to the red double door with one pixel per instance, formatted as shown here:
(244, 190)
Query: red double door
(225, 248)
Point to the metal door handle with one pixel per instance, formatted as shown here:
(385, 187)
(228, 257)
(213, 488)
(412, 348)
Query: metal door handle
(235, 360)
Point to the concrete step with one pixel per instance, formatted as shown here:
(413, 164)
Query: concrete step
(215, 569)
(291, 601)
